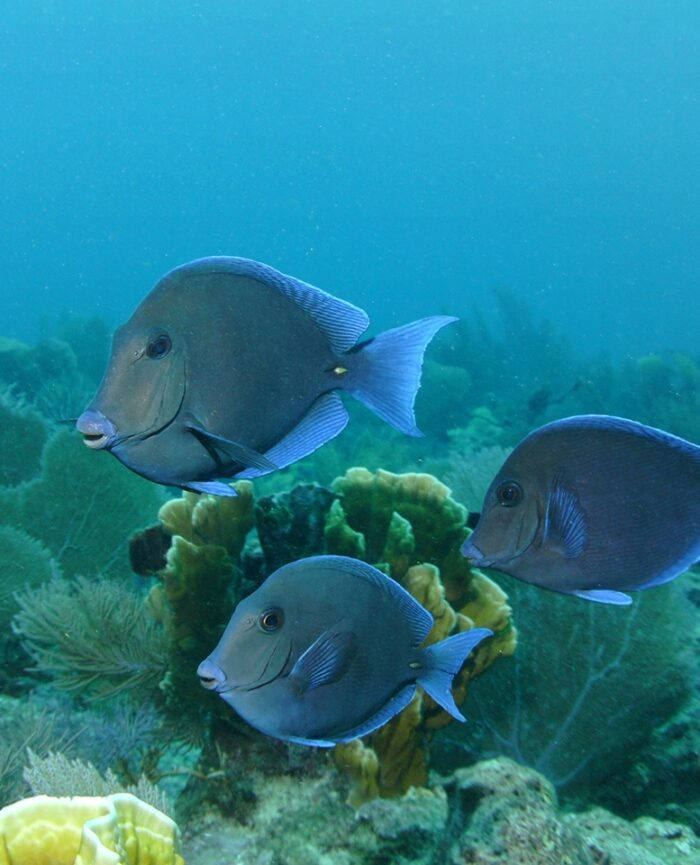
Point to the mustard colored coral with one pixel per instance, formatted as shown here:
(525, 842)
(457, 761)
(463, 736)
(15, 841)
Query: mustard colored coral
(87, 830)
(214, 520)
(409, 526)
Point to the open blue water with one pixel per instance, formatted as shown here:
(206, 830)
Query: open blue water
(404, 155)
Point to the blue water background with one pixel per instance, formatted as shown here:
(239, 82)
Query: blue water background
(408, 156)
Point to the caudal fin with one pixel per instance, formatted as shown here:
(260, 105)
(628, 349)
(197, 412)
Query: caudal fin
(386, 371)
(443, 661)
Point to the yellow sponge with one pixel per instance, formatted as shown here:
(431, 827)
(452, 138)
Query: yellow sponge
(87, 830)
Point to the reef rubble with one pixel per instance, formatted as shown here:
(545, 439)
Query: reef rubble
(493, 813)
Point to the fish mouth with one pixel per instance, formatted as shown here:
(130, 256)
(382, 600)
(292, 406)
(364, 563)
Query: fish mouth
(474, 554)
(211, 676)
(98, 431)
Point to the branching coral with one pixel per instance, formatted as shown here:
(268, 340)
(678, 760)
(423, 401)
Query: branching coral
(55, 774)
(23, 725)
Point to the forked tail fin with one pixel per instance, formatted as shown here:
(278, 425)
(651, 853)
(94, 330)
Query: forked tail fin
(386, 371)
(443, 661)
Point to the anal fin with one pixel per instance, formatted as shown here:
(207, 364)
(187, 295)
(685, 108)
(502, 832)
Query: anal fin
(214, 488)
(324, 420)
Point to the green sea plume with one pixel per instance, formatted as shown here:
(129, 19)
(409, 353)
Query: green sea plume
(91, 635)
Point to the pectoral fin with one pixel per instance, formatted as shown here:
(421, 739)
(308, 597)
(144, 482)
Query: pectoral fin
(564, 521)
(325, 660)
(226, 452)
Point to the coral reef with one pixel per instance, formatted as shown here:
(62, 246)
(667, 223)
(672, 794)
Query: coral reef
(118, 829)
(408, 525)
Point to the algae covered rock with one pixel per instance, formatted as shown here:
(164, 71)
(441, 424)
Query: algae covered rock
(510, 816)
(303, 820)
(291, 524)
(493, 813)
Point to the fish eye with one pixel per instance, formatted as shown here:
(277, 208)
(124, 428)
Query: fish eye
(271, 620)
(159, 346)
(509, 494)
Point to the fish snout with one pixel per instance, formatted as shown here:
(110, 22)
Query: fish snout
(474, 554)
(98, 431)
(211, 676)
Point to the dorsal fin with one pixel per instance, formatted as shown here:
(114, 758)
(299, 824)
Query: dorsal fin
(342, 322)
(419, 619)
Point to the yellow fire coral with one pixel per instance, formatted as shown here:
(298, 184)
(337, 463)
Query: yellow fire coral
(87, 830)
(409, 526)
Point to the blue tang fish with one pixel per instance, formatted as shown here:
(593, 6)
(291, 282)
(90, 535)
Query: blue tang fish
(593, 506)
(327, 649)
(231, 369)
